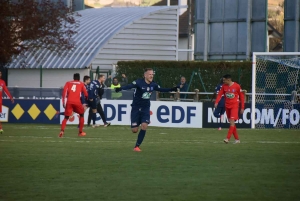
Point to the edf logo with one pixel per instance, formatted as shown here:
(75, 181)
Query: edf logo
(176, 115)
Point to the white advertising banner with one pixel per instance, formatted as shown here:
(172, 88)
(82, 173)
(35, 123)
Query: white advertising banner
(163, 114)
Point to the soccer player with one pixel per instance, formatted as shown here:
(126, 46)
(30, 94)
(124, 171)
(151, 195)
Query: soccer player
(86, 81)
(95, 85)
(140, 111)
(3, 88)
(99, 106)
(73, 90)
(233, 96)
(84, 101)
(220, 110)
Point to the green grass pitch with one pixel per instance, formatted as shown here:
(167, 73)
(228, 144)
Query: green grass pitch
(175, 164)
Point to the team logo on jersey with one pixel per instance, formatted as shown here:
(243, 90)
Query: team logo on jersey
(158, 86)
(233, 90)
(146, 95)
(148, 88)
(1, 88)
(151, 88)
(230, 95)
(134, 82)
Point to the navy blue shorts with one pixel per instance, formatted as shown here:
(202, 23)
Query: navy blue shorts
(139, 115)
(93, 104)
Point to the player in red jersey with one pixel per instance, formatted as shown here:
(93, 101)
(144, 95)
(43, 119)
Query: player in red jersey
(3, 88)
(233, 96)
(72, 91)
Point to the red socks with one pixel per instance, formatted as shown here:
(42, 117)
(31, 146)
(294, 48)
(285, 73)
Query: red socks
(235, 134)
(81, 123)
(63, 124)
(230, 131)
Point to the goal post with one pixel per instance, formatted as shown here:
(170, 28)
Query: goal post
(275, 86)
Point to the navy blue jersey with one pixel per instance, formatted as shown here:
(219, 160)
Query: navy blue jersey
(143, 92)
(222, 101)
(83, 99)
(93, 89)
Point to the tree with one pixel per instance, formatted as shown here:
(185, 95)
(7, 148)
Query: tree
(30, 25)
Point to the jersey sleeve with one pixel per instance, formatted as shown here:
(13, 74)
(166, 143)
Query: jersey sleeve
(220, 93)
(158, 88)
(241, 97)
(91, 90)
(130, 86)
(6, 91)
(217, 89)
(65, 93)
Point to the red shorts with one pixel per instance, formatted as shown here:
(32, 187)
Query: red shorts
(232, 113)
(76, 107)
(0, 107)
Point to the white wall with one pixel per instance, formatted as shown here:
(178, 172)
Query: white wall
(51, 77)
(183, 44)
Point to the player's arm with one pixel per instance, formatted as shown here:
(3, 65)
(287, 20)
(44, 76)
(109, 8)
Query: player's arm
(91, 91)
(242, 99)
(7, 92)
(221, 92)
(157, 88)
(129, 86)
(64, 94)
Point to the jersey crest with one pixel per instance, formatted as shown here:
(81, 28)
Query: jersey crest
(1, 88)
(230, 95)
(146, 95)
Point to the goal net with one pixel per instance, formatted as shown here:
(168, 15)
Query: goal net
(275, 90)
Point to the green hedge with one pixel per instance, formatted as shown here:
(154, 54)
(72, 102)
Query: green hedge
(168, 73)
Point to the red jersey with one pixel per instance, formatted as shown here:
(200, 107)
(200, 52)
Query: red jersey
(233, 96)
(72, 91)
(3, 88)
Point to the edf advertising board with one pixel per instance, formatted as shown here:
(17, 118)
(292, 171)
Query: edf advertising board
(163, 114)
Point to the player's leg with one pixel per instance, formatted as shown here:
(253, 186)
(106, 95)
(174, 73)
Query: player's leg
(93, 105)
(79, 109)
(68, 113)
(102, 115)
(145, 119)
(231, 125)
(90, 117)
(217, 114)
(235, 116)
(135, 119)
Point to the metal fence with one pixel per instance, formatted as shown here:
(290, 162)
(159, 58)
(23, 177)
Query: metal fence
(56, 93)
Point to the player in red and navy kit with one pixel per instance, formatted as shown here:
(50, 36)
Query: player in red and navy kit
(140, 111)
(72, 91)
(3, 88)
(233, 98)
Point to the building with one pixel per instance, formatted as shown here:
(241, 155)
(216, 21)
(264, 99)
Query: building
(106, 36)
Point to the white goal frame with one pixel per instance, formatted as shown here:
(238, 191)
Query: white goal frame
(253, 97)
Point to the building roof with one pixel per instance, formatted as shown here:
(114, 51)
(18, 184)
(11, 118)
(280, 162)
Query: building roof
(97, 27)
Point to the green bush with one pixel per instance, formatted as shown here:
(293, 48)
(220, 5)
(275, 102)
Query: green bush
(168, 73)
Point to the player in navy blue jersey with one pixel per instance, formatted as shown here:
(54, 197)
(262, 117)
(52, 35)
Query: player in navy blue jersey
(220, 109)
(95, 85)
(140, 111)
